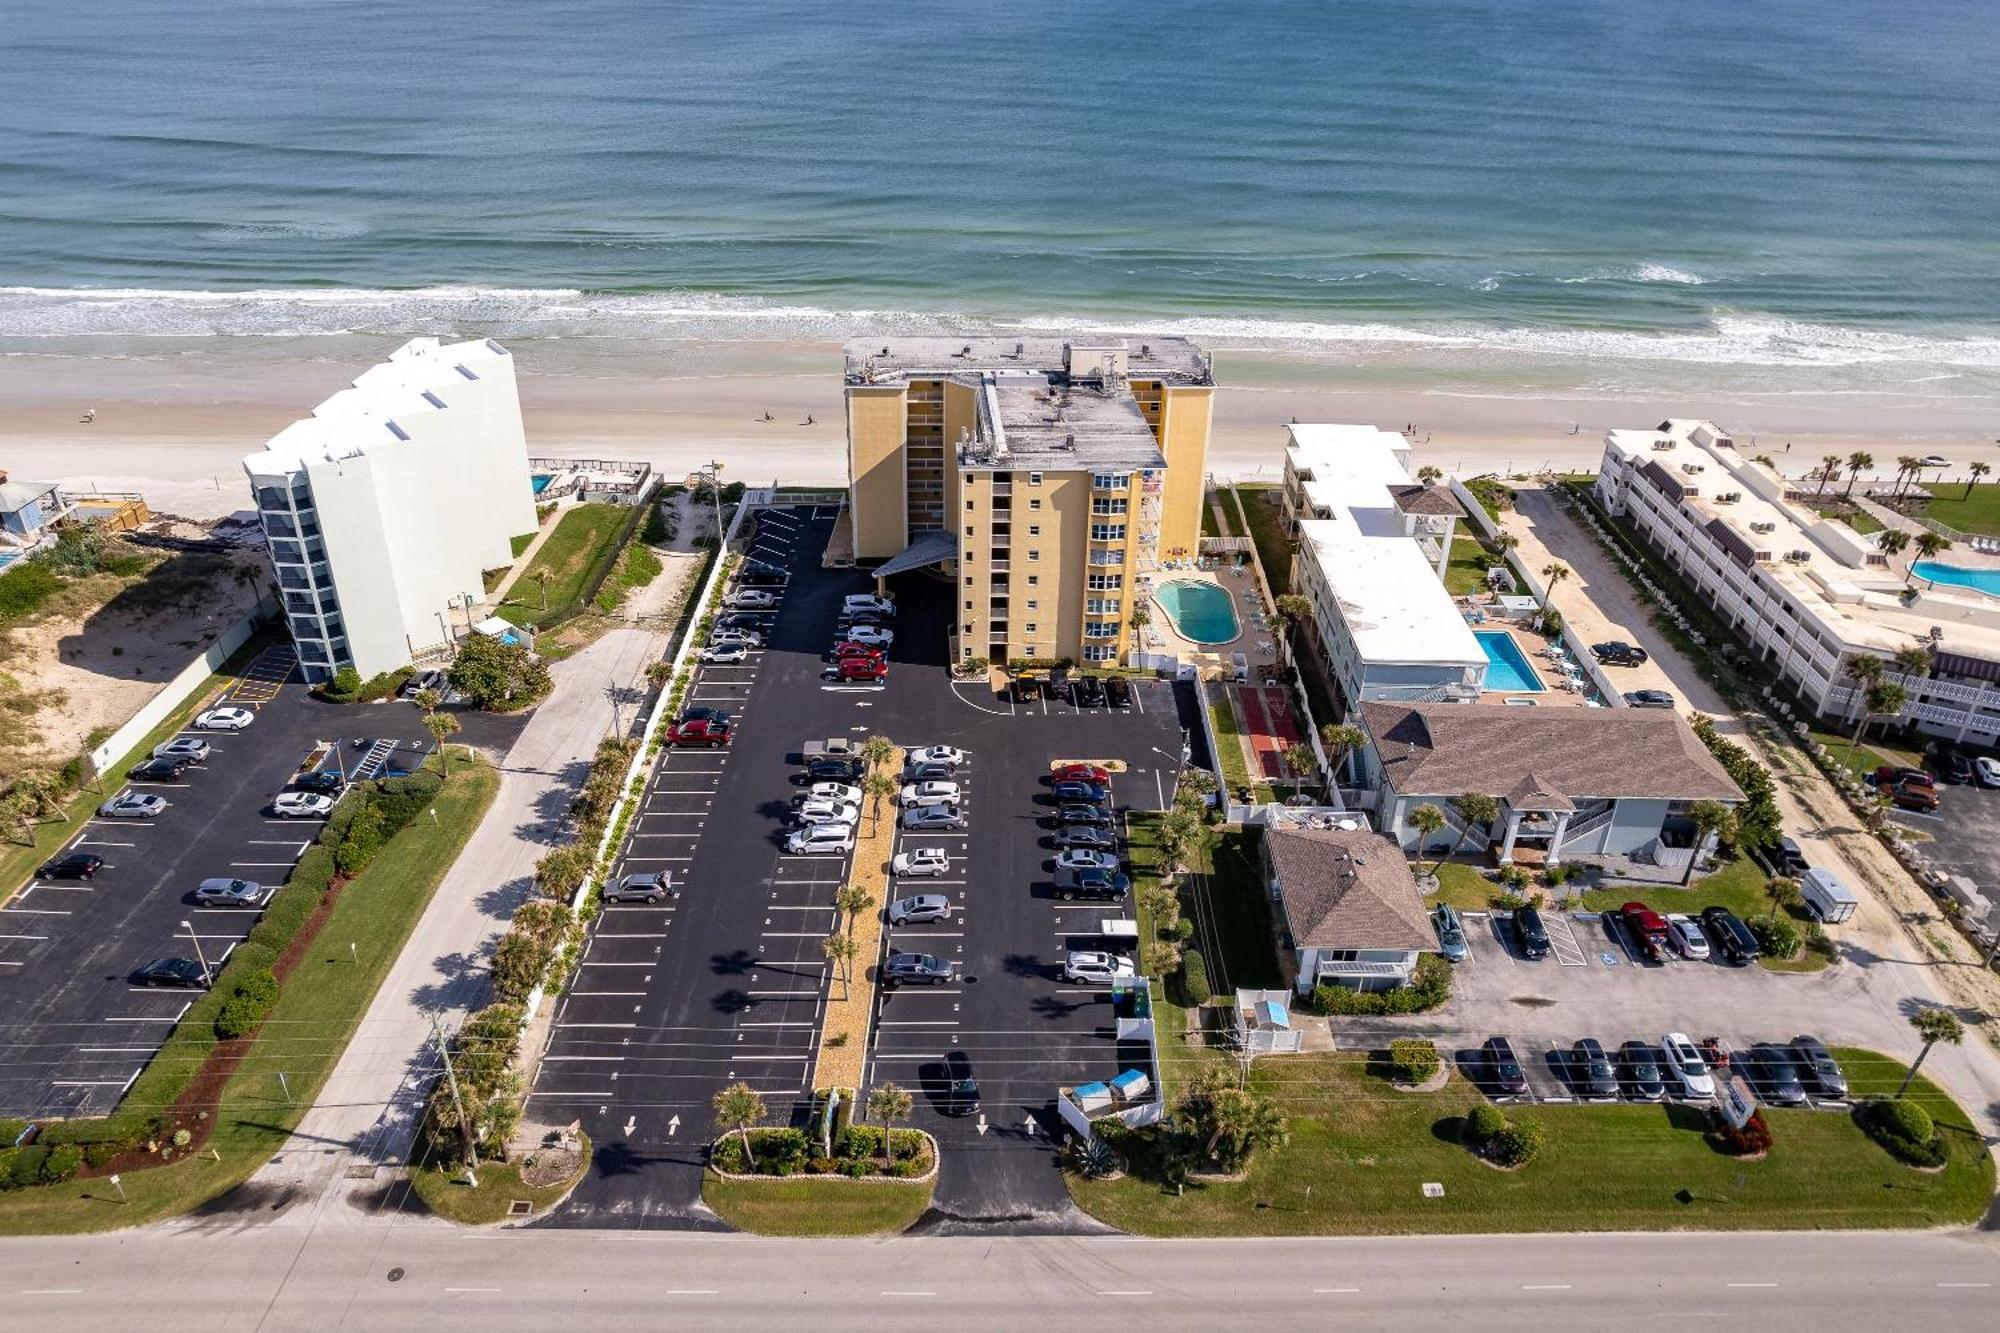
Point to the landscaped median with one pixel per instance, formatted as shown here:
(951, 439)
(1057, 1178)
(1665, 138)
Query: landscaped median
(206, 1112)
(850, 1006)
(1360, 1152)
(505, 1190)
(784, 1184)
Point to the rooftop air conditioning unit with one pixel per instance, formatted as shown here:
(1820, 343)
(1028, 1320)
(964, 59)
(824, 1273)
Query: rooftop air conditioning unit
(1763, 527)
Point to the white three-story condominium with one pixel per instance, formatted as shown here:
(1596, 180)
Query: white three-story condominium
(382, 508)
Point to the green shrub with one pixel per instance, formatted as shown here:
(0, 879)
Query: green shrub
(1413, 1061)
(26, 589)
(1428, 988)
(11, 1129)
(1194, 978)
(101, 1154)
(252, 998)
(24, 1168)
(1516, 1145)
(1904, 1128)
(1776, 936)
(1482, 1123)
(346, 683)
(59, 1165)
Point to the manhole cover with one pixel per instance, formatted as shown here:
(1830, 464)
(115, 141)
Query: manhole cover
(520, 1207)
(395, 1275)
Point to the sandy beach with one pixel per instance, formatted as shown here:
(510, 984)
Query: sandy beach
(174, 417)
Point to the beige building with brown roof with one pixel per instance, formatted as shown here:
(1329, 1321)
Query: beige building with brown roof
(1569, 781)
(1350, 906)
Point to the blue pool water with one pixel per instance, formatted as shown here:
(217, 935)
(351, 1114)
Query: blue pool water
(1507, 667)
(1201, 612)
(8, 557)
(540, 481)
(1958, 576)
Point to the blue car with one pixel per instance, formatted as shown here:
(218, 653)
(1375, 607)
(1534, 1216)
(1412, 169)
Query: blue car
(1071, 792)
(1450, 933)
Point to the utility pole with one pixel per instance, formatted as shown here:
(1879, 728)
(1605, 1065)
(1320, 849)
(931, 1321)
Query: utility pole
(458, 1103)
(207, 978)
(715, 490)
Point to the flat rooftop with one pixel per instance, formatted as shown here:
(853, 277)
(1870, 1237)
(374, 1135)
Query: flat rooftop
(1047, 421)
(1835, 572)
(888, 361)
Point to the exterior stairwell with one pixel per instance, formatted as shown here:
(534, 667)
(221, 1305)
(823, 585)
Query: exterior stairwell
(1583, 828)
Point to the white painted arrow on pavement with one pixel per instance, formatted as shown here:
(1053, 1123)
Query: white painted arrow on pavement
(631, 1123)
(981, 1126)
(673, 1126)
(1029, 1124)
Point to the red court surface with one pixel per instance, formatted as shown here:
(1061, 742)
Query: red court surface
(1265, 714)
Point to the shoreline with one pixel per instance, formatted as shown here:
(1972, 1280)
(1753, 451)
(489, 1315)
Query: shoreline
(176, 416)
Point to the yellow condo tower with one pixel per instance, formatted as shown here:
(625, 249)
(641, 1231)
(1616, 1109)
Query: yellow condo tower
(1048, 479)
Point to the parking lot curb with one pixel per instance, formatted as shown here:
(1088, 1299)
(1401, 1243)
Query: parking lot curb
(850, 1017)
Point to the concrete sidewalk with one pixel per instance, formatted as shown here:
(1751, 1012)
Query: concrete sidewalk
(365, 1119)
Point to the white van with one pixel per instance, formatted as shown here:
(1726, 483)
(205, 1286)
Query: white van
(1829, 899)
(821, 840)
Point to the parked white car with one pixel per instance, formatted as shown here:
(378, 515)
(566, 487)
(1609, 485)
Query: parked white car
(725, 654)
(747, 637)
(818, 810)
(821, 840)
(132, 805)
(752, 599)
(871, 636)
(1687, 935)
(1688, 1065)
(936, 792)
(225, 719)
(301, 805)
(192, 748)
(921, 863)
(935, 754)
(862, 601)
(841, 792)
(1989, 770)
(1090, 967)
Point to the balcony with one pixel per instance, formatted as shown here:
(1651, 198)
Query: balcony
(1000, 566)
(1114, 556)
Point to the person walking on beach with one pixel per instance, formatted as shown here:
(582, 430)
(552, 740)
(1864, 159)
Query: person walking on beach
(809, 419)
(89, 415)
(767, 415)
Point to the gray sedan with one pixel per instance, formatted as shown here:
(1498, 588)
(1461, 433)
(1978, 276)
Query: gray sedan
(232, 893)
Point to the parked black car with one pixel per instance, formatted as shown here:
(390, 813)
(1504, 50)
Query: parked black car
(1818, 1067)
(1639, 1072)
(76, 865)
(1098, 885)
(1533, 934)
(1952, 765)
(1083, 835)
(1590, 1070)
(1502, 1071)
(1086, 692)
(1773, 1074)
(1731, 936)
(1649, 699)
(159, 770)
(913, 968)
(961, 1088)
(1117, 692)
(324, 781)
(1083, 814)
(1088, 793)
(750, 620)
(171, 972)
(1618, 653)
(834, 770)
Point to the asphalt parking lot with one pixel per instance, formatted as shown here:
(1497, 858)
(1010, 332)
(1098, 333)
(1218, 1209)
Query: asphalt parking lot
(727, 981)
(76, 1031)
(1964, 833)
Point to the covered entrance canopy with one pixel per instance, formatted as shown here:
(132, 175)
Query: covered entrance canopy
(929, 548)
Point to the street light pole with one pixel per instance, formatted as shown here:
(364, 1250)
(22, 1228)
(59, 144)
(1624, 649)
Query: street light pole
(200, 957)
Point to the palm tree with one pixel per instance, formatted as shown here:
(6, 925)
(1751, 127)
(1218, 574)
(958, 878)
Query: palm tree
(1341, 740)
(852, 900)
(1863, 669)
(1426, 819)
(1139, 619)
(1892, 541)
(428, 700)
(1555, 572)
(1429, 475)
(1882, 698)
(441, 725)
(1503, 543)
(1929, 544)
(878, 787)
(1475, 807)
(541, 577)
(1784, 894)
(1916, 660)
(1906, 471)
(842, 949)
(1973, 474)
(878, 751)
(1934, 1026)
(1711, 819)
(1180, 833)
(1829, 469)
(659, 673)
(1298, 759)
(1290, 610)
(738, 1107)
(1856, 462)
(888, 1103)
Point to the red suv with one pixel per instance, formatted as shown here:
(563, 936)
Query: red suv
(1083, 773)
(698, 731)
(1914, 795)
(858, 668)
(1649, 929)
(1888, 776)
(841, 651)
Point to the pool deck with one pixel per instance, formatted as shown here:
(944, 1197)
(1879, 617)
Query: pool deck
(1254, 638)
(1555, 693)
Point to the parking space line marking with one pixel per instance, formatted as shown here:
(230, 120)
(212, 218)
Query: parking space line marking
(597, 1025)
(625, 993)
(36, 911)
(117, 1050)
(572, 1059)
(23, 937)
(1750, 1284)
(1556, 1286)
(607, 935)
(594, 963)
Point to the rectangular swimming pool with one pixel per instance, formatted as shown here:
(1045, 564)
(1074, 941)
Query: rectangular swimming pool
(1508, 670)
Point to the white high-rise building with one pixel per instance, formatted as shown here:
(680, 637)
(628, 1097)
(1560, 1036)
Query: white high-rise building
(383, 507)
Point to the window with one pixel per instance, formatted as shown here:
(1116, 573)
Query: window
(968, 580)
(1034, 579)
(1029, 628)
(1103, 606)
(1110, 481)
(968, 504)
(968, 603)
(1113, 507)
(1107, 532)
(1102, 582)
(1034, 478)
(968, 630)
(1099, 652)
(1033, 604)
(1100, 629)
(1034, 504)
(968, 529)
(1034, 555)
(1034, 529)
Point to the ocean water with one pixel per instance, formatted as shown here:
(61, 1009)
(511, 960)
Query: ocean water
(1797, 183)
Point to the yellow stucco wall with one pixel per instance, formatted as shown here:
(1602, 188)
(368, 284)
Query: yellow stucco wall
(875, 432)
(1184, 431)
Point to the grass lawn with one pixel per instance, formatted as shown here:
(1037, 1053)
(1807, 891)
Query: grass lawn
(1360, 1152)
(445, 1193)
(1233, 920)
(1463, 887)
(18, 862)
(1860, 520)
(571, 552)
(1465, 573)
(1867, 757)
(1739, 886)
(316, 1014)
(1266, 523)
(817, 1207)
(1979, 512)
(522, 543)
(1235, 768)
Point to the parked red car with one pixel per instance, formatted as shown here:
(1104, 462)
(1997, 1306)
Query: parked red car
(1083, 773)
(1887, 776)
(858, 668)
(699, 731)
(1649, 929)
(842, 651)
(1914, 796)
